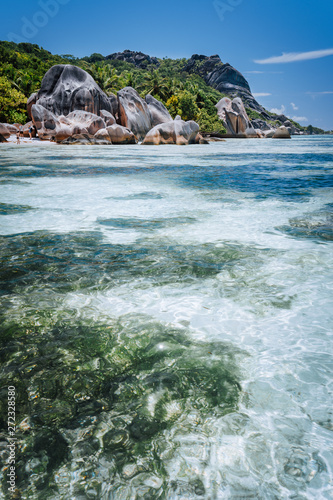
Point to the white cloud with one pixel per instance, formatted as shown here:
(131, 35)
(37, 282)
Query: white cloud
(320, 93)
(300, 119)
(295, 56)
(278, 111)
(254, 72)
(260, 94)
(293, 105)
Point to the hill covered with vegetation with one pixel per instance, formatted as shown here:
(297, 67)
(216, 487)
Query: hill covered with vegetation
(183, 91)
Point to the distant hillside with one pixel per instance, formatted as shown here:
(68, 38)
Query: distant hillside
(188, 87)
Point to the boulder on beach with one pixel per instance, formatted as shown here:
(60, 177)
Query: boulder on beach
(134, 112)
(281, 133)
(108, 118)
(158, 112)
(121, 135)
(84, 140)
(2, 138)
(103, 135)
(234, 117)
(83, 119)
(66, 88)
(174, 132)
(46, 123)
(4, 130)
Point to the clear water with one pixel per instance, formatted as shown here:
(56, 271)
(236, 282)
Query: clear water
(166, 319)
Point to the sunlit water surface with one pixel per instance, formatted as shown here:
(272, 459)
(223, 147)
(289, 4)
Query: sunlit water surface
(167, 320)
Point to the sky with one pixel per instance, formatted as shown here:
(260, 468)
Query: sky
(284, 48)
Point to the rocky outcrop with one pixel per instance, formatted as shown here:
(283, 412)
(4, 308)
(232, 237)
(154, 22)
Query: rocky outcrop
(134, 113)
(108, 118)
(282, 133)
(2, 138)
(121, 135)
(84, 140)
(158, 112)
(4, 131)
(51, 126)
(234, 117)
(139, 59)
(31, 101)
(174, 132)
(224, 78)
(66, 88)
(46, 122)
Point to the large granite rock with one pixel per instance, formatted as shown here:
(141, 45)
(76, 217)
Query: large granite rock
(31, 101)
(2, 138)
(108, 118)
(83, 119)
(282, 133)
(234, 117)
(158, 112)
(4, 131)
(84, 140)
(66, 88)
(174, 132)
(121, 135)
(46, 122)
(50, 126)
(134, 113)
(139, 59)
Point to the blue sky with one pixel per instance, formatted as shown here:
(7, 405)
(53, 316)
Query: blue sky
(249, 34)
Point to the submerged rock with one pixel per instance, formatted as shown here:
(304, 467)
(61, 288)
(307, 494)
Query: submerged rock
(134, 112)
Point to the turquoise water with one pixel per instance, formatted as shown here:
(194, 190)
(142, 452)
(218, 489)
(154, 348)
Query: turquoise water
(166, 320)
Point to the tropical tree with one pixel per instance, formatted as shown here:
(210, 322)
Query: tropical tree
(12, 103)
(155, 85)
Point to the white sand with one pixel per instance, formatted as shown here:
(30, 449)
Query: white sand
(35, 141)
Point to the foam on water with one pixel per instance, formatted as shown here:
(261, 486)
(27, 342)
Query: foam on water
(186, 298)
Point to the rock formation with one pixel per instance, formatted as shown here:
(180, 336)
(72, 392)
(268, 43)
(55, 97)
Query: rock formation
(224, 78)
(2, 138)
(116, 134)
(282, 133)
(174, 132)
(134, 113)
(4, 130)
(84, 140)
(139, 59)
(158, 112)
(66, 88)
(234, 117)
(51, 126)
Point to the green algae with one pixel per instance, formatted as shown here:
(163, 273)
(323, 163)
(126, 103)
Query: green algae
(133, 376)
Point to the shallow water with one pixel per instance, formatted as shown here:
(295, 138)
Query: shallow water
(167, 320)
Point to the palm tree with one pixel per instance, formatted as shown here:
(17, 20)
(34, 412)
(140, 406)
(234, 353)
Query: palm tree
(155, 85)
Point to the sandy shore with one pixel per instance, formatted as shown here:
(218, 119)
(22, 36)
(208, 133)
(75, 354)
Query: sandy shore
(27, 141)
